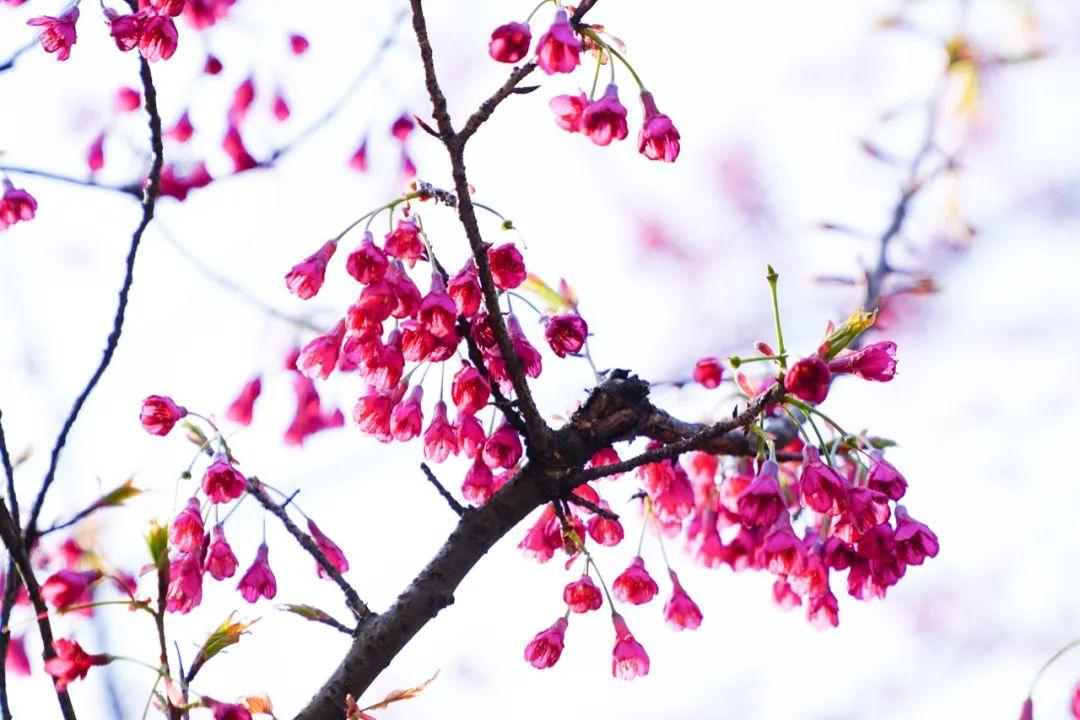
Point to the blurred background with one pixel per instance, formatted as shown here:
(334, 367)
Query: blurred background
(793, 115)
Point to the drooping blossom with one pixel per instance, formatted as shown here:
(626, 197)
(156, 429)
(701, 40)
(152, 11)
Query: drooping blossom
(204, 13)
(186, 531)
(185, 584)
(469, 390)
(372, 413)
(635, 585)
(464, 289)
(510, 42)
(568, 110)
(172, 8)
(886, 479)
(437, 311)
(546, 648)
(95, 155)
(503, 447)
(681, 612)
(628, 658)
(477, 487)
(298, 44)
(914, 541)
(330, 549)
(127, 100)
(320, 356)
(782, 550)
(310, 417)
(259, 580)
(160, 414)
(68, 587)
(17, 661)
(158, 38)
(233, 145)
(823, 611)
(582, 595)
(213, 65)
(16, 205)
(761, 503)
(359, 159)
(874, 362)
(604, 119)
(404, 242)
(58, 33)
(242, 100)
(440, 438)
(821, 488)
(708, 372)
(808, 379)
(221, 561)
(407, 418)
(241, 409)
(368, 262)
(182, 131)
(306, 277)
(402, 127)
(566, 334)
(71, 662)
(222, 482)
(470, 434)
(605, 531)
(658, 139)
(125, 30)
(558, 50)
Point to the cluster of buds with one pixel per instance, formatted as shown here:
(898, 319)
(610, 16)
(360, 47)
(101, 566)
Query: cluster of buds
(197, 548)
(393, 324)
(601, 119)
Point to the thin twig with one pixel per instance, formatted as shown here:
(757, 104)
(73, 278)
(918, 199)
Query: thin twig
(132, 190)
(10, 62)
(150, 195)
(358, 607)
(450, 500)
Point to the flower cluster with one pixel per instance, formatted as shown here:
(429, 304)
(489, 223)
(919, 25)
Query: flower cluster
(195, 547)
(601, 119)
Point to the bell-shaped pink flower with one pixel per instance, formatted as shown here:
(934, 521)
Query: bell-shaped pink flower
(16, 205)
(886, 479)
(546, 648)
(784, 596)
(182, 131)
(503, 447)
(402, 127)
(405, 291)
(68, 587)
(680, 612)
(823, 611)
(604, 119)
(604, 531)
(558, 50)
(808, 379)
(330, 549)
(359, 159)
(172, 8)
(58, 33)
(914, 541)
(477, 487)
(242, 408)
(464, 289)
(568, 110)
(507, 266)
(510, 42)
(186, 531)
(17, 661)
(222, 482)
(566, 333)
(761, 503)
(629, 659)
(160, 414)
(306, 278)
(95, 155)
(259, 580)
(367, 262)
(158, 38)
(658, 139)
(125, 30)
(319, 357)
(437, 311)
(469, 390)
(635, 585)
(708, 372)
(185, 584)
(407, 419)
(372, 413)
(280, 107)
(873, 362)
(298, 43)
(866, 509)
(582, 595)
(782, 549)
(221, 561)
(70, 662)
(604, 457)
(470, 434)
(820, 487)
(440, 438)
(404, 242)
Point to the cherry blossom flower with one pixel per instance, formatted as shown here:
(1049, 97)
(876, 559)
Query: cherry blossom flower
(222, 482)
(708, 372)
(58, 33)
(635, 585)
(566, 334)
(680, 612)
(186, 531)
(241, 409)
(568, 110)
(221, 561)
(629, 659)
(329, 548)
(558, 50)
(546, 648)
(582, 595)
(307, 277)
(71, 662)
(808, 379)
(658, 139)
(604, 120)
(873, 362)
(510, 42)
(160, 414)
(259, 580)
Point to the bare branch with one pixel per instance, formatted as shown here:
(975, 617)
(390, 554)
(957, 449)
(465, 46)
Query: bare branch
(450, 499)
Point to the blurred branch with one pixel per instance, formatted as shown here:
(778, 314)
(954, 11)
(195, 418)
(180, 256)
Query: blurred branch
(132, 189)
(10, 62)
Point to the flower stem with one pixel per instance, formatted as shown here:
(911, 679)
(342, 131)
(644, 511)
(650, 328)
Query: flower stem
(772, 277)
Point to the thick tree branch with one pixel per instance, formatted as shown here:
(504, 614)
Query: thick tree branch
(358, 607)
(150, 195)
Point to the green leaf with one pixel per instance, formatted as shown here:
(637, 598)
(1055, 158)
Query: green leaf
(226, 634)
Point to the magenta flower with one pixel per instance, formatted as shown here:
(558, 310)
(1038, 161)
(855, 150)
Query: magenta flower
(186, 531)
(886, 479)
(546, 648)
(808, 379)
(367, 262)
(222, 482)
(95, 155)
(185, 584)
(241, 409)
(782, 550)
(761, 503)
(407, 418)
(404, 242)
(823, 611)
(71, 662)
(708, 372)
(604, 119)
(125, 30)
(558, 50)
(873, 362)
(306, 278)
(503, 448)
(437, 311)
(658, 139)
(582, 595)
(477, 487)
(221, 561)
(510, 42)
(160, 414)
(259, 580)
(566, 334)
(604, 531)
(68, 587)
(58, 34)
(469, 390)
(359, 159)
(507, 266)
(402, 127)
(158, 38)
(318, 358)
(299, 44)
(16, 205)
(635, 585)
(330, 549)
(914, 541)
(628, 658)
(464, 289)
(440, 439)
(680, 612)
(470, 434)
(568, 110)
(820, 487)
